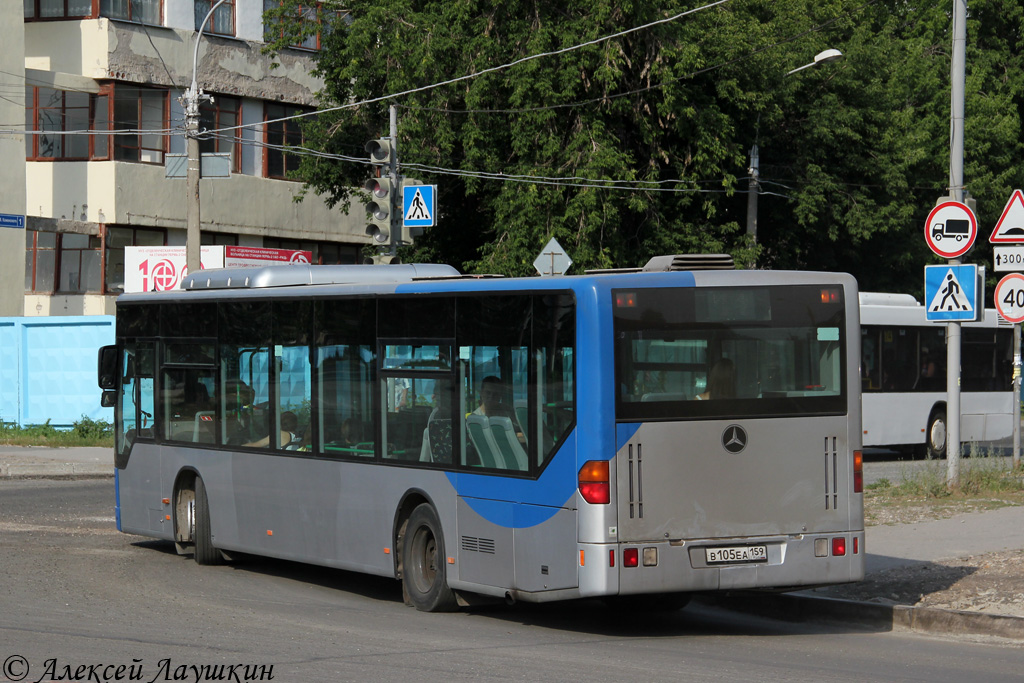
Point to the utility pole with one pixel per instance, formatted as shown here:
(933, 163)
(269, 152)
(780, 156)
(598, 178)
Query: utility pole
(190, 103)
(956, 190)
(753, 188)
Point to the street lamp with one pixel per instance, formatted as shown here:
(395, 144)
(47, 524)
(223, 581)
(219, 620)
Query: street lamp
(190, 102)
(754, 185)
(823, 57)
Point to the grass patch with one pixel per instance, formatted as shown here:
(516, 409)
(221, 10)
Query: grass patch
(985, 484)
(85, 432)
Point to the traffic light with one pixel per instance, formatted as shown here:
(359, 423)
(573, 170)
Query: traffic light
(409, 233)
(378, 209)
(380, 151)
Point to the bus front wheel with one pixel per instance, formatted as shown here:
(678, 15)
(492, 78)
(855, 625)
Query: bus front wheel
(205, 552)
(935, 436)
(424, 579)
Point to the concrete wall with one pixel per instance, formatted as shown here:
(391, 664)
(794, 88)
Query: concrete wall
(105, 49)
(12, 152)
(116, 192)
(48, 369)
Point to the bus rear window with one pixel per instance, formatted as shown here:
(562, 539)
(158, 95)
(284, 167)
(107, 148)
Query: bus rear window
(730, 352)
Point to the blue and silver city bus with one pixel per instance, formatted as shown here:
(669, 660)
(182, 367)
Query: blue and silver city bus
(651, 432)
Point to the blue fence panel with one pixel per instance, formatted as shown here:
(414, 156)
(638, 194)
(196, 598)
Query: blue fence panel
(55, 368)
(10, 374)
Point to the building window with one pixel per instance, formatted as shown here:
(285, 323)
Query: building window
(143, 110)
(224, 112)
(40, 261)
(80, 264)
(218, 238)
(324, 253)
(58, 9)
(222, 23)
(65, 262)
(141, 11)
(279, 135)
(117, 239)
(310, 17)
(55, 113)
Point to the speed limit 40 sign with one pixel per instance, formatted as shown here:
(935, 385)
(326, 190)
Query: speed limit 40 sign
(1010, 297)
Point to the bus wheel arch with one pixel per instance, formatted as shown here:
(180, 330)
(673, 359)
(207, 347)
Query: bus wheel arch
(422, 560)
(184, 511)
(935, 435)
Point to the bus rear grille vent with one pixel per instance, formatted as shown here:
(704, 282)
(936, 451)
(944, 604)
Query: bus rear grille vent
(478, 545)
(831, 473)
(636, 482)
(690, 262)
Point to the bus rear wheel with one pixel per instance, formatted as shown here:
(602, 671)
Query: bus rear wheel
(424, 577)
(205, 552)
(935, 436)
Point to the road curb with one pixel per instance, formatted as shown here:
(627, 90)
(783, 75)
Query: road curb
(62, 470)
(872, 615)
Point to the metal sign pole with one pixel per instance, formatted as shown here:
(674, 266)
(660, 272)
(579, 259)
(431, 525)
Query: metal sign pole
(1016, 396)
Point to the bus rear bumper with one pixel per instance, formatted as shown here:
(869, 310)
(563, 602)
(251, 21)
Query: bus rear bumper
(681, 566)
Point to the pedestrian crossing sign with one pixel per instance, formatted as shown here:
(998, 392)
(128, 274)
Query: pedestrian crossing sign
(418, 206)
(951, 293)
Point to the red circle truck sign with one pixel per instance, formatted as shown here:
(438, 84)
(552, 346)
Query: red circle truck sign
(950, 229)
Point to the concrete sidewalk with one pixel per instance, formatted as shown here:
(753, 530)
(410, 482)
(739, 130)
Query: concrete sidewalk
(887, 546)
(37, 461)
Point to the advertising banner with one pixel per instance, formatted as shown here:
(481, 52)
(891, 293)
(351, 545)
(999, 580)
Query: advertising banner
(158, 269)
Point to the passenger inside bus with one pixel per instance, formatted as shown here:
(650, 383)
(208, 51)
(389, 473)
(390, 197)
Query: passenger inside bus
(289, 425)
(721, 381)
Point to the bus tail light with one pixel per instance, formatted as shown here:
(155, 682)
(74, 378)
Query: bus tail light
(593, 482)
(838, 546)
(630, 557)
(858, 472)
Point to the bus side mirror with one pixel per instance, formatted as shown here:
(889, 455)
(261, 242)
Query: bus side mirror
(108, 398)
(107, 368)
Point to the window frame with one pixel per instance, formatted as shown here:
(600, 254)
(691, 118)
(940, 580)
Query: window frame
(212, 27)
(287, 110)
(98, 5)
(36, 7)
(216, 112)
(116, 143)
(96, 103)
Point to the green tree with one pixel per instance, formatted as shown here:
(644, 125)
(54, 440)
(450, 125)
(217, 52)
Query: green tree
(855, 152)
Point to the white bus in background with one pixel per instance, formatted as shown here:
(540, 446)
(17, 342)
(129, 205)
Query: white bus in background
(903, 376)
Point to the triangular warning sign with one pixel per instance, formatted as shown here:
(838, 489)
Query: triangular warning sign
(1010, 227)
(418, 209)
(950, 296)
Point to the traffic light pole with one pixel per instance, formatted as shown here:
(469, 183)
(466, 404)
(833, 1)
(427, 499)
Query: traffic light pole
(956, 188)
(396, 205)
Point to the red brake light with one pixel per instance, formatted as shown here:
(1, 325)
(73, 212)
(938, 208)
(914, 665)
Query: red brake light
(625, 300)
(838, 546)
(858, 472)
(630, 557)
(593, 482)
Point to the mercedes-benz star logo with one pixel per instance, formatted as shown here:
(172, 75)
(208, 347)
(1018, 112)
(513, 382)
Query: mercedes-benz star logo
(734, 438)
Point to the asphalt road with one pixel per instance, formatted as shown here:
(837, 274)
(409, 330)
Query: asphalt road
(76, 593)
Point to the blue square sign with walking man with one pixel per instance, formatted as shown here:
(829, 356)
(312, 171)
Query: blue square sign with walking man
(951, 292)
(418, 207)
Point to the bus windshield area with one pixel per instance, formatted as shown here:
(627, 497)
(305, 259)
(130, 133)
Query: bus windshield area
(706, 353)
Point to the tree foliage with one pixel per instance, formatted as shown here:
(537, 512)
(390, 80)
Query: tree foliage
(853, 153)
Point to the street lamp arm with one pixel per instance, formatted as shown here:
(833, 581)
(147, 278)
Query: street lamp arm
(193, 91)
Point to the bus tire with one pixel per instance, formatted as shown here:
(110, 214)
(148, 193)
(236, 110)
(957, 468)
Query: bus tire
(424, 577)
(205, 552)
(935, 435)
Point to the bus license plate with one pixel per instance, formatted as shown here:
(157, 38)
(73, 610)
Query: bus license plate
(742, 553)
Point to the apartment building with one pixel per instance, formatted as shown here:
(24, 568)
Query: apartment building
(122, 65)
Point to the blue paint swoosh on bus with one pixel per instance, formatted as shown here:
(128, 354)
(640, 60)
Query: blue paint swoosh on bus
(537, 499)
(624, 432)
